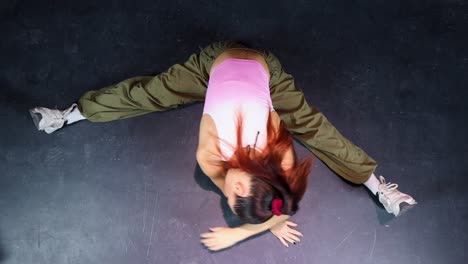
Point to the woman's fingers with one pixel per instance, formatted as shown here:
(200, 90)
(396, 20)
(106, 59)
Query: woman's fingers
(293, 237)
(295, 232)
(209, 234)
(212, 233)
(211, 245)
(207, 242)
(284, 242)
(285, 237)
(289, 223)
(216, 248)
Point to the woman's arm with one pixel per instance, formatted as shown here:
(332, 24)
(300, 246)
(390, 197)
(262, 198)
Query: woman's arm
(215, 172)
(248, 230)
(208, 153)
(223, 237)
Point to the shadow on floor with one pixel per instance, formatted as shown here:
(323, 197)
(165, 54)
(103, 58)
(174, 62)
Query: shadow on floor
(382, 215)
(206, 184)
(231, 219)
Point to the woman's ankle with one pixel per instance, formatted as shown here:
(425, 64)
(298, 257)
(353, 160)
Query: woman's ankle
(74, 116)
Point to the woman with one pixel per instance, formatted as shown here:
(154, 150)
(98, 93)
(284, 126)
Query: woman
(232, 165)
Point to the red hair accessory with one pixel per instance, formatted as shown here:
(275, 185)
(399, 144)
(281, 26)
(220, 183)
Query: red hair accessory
(276, 205)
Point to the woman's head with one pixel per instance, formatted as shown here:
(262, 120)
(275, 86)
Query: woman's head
(251, 198)
(254, 179)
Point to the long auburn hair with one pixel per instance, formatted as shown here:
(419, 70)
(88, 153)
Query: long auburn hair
(269, 180)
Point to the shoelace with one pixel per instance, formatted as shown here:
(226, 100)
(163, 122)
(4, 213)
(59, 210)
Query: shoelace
(68, 111)
(62, 115)
(56, 118)
(390, 188)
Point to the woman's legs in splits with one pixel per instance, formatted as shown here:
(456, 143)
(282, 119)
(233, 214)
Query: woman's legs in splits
(186, 83)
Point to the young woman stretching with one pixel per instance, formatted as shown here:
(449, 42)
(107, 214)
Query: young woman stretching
(244, 144)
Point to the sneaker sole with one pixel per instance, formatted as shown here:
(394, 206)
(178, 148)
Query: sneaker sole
(36, 117)
(404, 207)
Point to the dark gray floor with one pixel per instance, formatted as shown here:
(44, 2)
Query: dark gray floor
(391, 75)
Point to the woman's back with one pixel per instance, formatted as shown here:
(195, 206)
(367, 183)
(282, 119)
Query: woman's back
(208, 145)
(238, 90)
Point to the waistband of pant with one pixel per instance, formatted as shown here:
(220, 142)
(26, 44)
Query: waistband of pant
(269, 58)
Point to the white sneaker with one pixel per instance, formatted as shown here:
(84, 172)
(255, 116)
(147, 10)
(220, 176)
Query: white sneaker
(394, 201)
(50, 120)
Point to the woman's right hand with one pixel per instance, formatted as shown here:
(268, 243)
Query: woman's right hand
(285, 233)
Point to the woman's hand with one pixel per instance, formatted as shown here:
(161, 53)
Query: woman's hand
(285, 233)
(221, 237)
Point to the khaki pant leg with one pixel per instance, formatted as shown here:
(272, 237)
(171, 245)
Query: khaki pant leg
(313, 129)
(181, 84)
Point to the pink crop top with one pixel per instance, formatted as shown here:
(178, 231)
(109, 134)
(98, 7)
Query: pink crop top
(239, 86)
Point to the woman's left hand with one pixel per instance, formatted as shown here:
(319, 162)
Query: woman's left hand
(220, 238)
(285, 233)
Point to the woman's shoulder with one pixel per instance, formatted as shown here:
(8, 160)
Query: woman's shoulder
(275, 119)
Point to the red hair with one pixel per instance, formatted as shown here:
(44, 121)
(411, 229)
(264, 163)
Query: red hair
(266, 168)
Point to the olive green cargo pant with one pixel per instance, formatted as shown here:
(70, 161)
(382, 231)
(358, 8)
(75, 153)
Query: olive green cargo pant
(187, 82)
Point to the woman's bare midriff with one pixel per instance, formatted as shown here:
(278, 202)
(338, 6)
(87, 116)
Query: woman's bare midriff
(241, 54)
